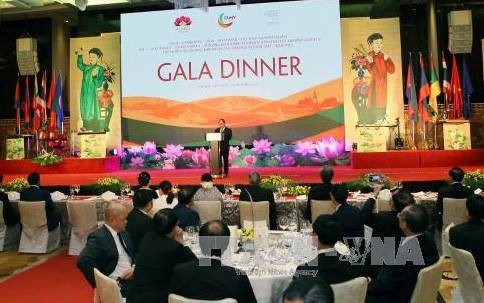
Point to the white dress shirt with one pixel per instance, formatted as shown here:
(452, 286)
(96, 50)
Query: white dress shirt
(124, 260)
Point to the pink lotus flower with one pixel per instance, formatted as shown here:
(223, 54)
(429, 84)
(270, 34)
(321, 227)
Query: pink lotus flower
(137, 162)
(157, 157)
(168, 164)
(330, 148)
(134, 150)
(261, 146)
(172, 151)
(187, 154)
(183, 20)
(201, 157)
(250, 160)
(305, 148)
(149, 147)
(234, 152)
(286, 160)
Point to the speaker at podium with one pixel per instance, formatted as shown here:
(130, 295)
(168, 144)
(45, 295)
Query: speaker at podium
(215, 165)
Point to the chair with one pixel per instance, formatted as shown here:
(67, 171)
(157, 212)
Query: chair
(172, 298)
(382, 204)
(254, 211)
(428, 283)
(470, 289)
(83, 221)
(352, 291)
(107, 290)
(9, 235)
(208, 210)
(36, 238)
(454, 211)
(321, 207)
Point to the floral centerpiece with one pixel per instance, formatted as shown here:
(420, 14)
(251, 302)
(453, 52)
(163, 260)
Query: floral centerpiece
(17, 184)
(277, 183)
(298, 190)
(47, 159)
(474, 180)
(364, 180)
(102, 185)
(247, 239)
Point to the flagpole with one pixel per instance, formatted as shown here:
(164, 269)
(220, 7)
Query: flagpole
(413, 132)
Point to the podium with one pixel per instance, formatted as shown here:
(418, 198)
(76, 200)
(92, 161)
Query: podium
(374, 138)
(454, 134)
(93, 145)
(215, 165)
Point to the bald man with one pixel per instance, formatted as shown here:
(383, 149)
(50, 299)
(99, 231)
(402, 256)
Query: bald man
(109, 249)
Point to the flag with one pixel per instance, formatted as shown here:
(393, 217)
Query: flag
(423, 92)
(455, 89)
(434, 90)
(26, 102)
(57, 104)
(468, 89)
(52, 117)
(445, 84)
(411, 93)
(36, 107)
(43, 97)
(16, 105)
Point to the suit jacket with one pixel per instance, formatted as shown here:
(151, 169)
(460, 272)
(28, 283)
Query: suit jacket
(257, 194)
(100, 252)
(157, 256)
(470, 236)
(211, 282)
(138, 225)
(10, 214)
(34, 193)
(395, 283)
(227, 136)
(317, 192)
(350, 220)
(455, 190)
(330, 268)
(186, 216)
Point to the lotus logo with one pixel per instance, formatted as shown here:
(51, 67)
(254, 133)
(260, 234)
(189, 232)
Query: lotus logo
(225, 21)
(183, 21)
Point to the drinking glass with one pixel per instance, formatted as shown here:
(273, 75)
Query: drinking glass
(77, 189)
(72, 190)
(283, 223)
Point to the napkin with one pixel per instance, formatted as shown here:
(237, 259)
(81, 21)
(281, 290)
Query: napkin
(342, 249)
(108, 196)
(301, 197)
(57, 196)
(13, 195)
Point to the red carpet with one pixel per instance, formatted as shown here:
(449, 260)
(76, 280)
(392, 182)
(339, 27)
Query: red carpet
(55, 281)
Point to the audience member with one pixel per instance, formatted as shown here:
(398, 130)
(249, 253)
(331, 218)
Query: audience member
(348, 216)
(207, 192)
(470, 235)
(256, 193)
(109, 249)
(320, 191)
(186, 215)
(395, 282)
(35, 193)
(144, 183)
(208, 278)
(166, 198)
(139, 220)
(10, 213)
(308, 290)
(158, 254)
(386, 223)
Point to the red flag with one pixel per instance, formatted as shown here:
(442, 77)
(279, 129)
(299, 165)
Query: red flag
(36, 107)
(456, 90)
(424, 92)
(17, 105)
(52, 116)
(26, 102)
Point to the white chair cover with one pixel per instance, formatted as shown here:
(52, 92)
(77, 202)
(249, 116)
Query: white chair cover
(107, 290)
(172, 298)
(208, 210)
(470, 289)
(35, 236)
(352, 291)
(254, 211)
(383, 201)
(9, 235)
(428, 283)
(83, 221)
(321, 207)
(454, 212)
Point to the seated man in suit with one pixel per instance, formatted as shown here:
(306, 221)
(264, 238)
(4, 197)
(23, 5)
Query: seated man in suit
(396, 281)
(35, 193)
(109, 249)
(208, 278)
(308, 290)
(139, 222)
(328, 265)
(256, 193)
(183, 210)
(470, 235)
(320, 191)
(10, 214)
(455, 190)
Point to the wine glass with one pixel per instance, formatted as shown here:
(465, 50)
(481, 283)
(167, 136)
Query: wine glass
(72, 191)
(283, 223)
(292, 226)
(125, 189)
(77, 189)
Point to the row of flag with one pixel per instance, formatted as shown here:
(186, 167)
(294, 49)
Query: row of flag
(424, 105)
(42, 107)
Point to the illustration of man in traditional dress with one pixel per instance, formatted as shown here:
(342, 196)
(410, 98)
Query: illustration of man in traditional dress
(92, 79)
(379, 65)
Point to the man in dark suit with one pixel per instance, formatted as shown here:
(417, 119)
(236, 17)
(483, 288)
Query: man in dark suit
(348, 216)
(110, 250)
(187, 216)
(35, 193)
(470, 235)
(139, 222)
(396, 281)
(10, 214)
(208, 278)
(308, 290)
(455, 190)
(224, 145)
(328, 265)
(256, 193)
(320, 191)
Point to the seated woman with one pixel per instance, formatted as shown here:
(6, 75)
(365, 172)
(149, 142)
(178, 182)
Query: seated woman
(207, 192)
(166, 198)
(158, 253)
(144, 183)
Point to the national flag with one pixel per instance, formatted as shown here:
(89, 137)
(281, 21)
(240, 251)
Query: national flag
(455, 89)
(57, 103)
(423, 92)
(26, 102)
(411, 93)
(36, 107)
(445, 84)
(43, 97)
(52, 116)
(467, 88)
(16, 105)
(434, 90)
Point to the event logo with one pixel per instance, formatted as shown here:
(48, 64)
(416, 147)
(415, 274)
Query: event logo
(226, 21)
(182, 23)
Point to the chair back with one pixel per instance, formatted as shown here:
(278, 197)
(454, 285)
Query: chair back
(2, 220)
(32, 214)
(454, 211)
(382, 205)
(172, 298)
(107, 290)
(470, 281)
(82, 214)
(208, 210)
(321, 207)
(428, 283)
(352, 291)
(254, 211)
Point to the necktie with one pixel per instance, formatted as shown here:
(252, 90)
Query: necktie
(123, 244)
